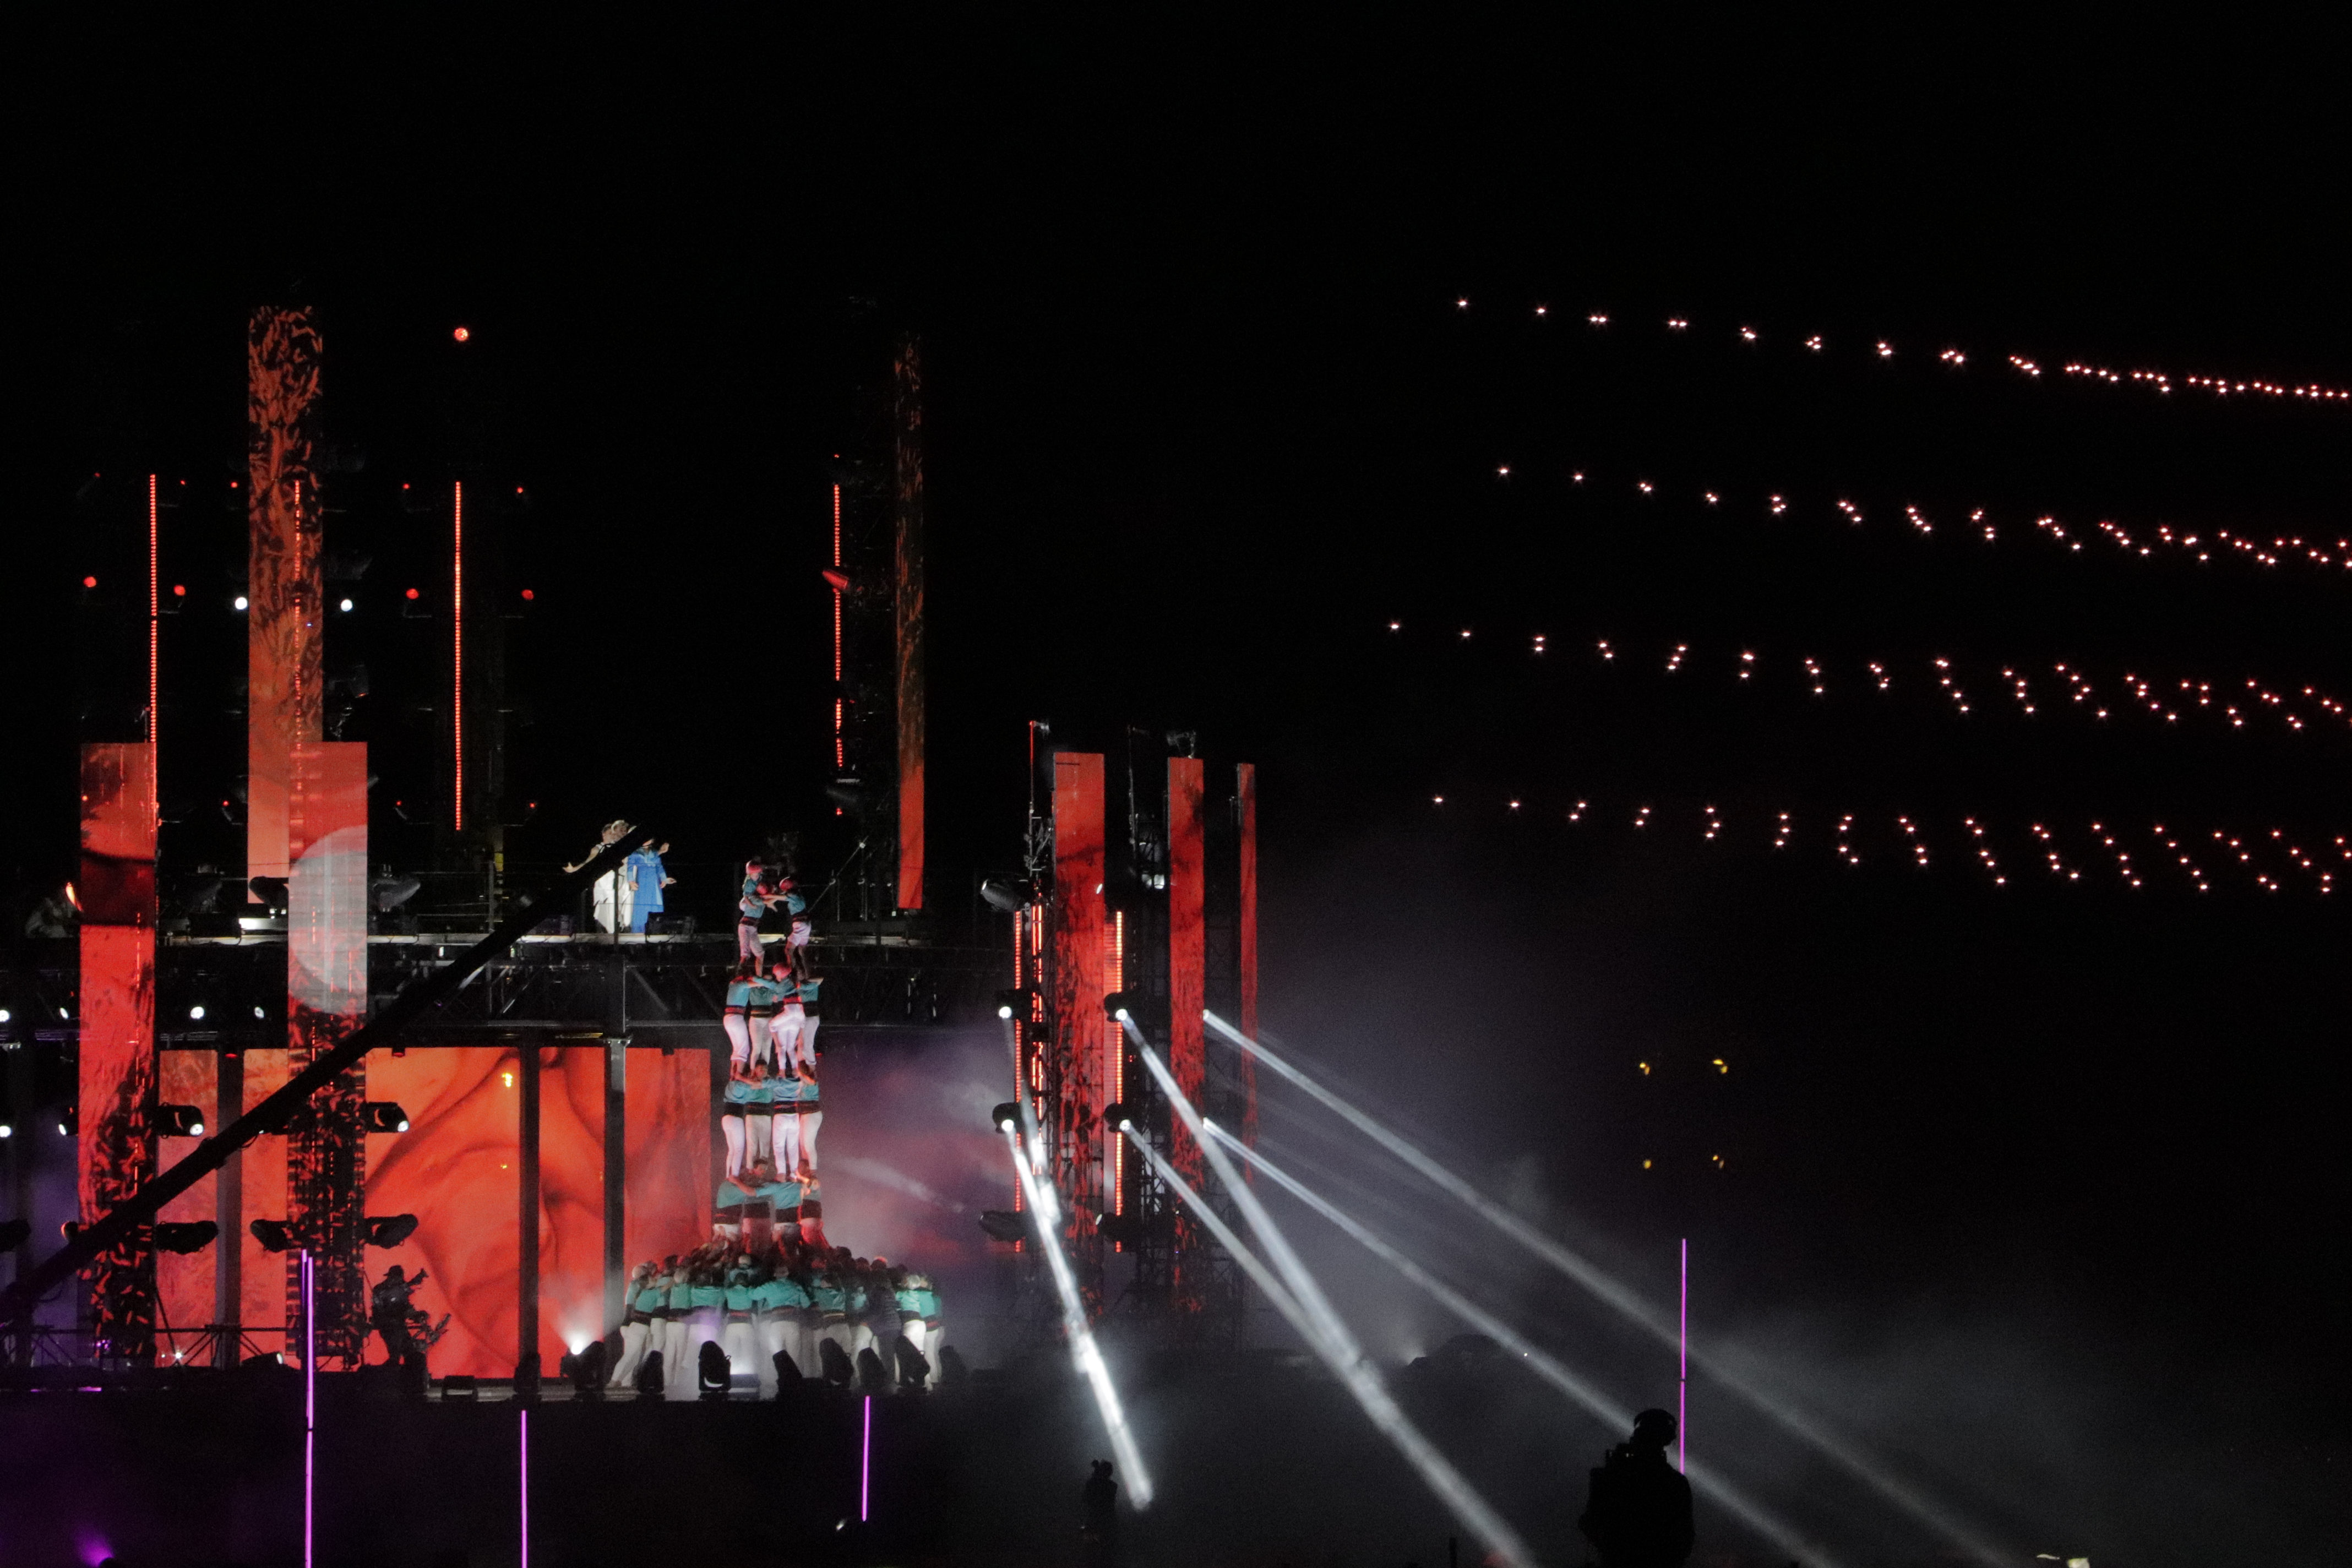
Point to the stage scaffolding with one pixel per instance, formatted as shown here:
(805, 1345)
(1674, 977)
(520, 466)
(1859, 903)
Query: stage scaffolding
(1140, 882)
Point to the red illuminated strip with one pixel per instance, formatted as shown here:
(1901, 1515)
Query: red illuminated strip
(841, 755)
(457, 650)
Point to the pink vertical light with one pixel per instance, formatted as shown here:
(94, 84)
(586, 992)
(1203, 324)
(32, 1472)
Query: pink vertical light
(457, 650)
(865, 1463)
(309, 1406)
(522, 1428)
(840, 748)
(1682, 1378)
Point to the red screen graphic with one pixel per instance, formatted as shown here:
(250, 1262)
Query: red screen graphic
(458, 1170)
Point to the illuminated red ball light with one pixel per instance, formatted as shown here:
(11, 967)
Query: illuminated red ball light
(463, 334)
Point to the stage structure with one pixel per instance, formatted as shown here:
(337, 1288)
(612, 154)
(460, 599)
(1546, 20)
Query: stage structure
(551, 1122)
(877, 578)
(1139, 892)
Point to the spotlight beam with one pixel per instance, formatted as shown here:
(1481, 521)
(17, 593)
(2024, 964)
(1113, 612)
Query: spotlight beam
(1083, 1349)
(1609, 1290)
(1354, 1373)
(1333, 1340)
(1544, 1365)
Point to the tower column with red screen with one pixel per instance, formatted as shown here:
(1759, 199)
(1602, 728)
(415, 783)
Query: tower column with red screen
(283, 670)
(117, 1059)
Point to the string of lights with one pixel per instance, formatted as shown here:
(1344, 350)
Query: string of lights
(2201, 546)
(2161, 382)
(2271, 860)
(2066, 689)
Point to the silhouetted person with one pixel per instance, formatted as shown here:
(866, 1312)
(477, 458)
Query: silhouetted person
(1639, 1512)
(1098, 1527)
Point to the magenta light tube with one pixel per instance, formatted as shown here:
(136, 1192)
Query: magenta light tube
(522, 1431)
(309, 1404)
(866, 1462)
(1682, 1377)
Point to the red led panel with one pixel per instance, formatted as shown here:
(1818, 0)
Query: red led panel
(1187, 938)
(326, 982)
(458, 1169)
(909, 616)
(116, 1149)
(261, 1275)
(282, 584)
(1084, 1040)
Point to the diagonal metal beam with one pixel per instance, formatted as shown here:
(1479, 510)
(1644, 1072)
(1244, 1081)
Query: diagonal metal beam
(19, 1301)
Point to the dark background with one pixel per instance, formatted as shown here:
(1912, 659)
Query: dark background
(2039, 1187)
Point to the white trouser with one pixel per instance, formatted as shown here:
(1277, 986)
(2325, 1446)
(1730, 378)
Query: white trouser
(633, 1351)
(784, 1138)
(738, 1040)
(916, 1335)
(808, 1038)
(810, 1122)
(674, 1371)
(730, 1122)
(785, 1033)
(755, 1124)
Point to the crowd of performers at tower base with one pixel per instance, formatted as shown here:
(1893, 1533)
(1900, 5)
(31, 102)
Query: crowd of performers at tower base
(767, 1288)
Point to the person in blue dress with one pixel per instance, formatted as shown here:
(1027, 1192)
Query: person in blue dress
(642, 880)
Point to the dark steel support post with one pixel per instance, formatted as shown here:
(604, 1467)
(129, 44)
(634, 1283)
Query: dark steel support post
(228, 1274)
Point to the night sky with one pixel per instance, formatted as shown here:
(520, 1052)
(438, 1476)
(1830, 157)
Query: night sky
(2038, 1186)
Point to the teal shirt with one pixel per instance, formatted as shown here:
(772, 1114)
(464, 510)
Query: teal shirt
(739, 1295)
(782, 1195)
(731, 1196)
(786, 1090)
(828, 1295)
(707, 1296)
(763, 995)
(738, 1093)
(808, 991)
(652, 1299)
(681, 1296)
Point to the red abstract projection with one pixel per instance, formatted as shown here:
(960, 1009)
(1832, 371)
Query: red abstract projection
(907, 615)
(1245, 788)
(326, 986)
(282, 583)
(117, 1065)
(1086, 1043)
(458, 1170)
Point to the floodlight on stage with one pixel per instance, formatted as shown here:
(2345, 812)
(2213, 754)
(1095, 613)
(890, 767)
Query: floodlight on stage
(837, 579)
(712, 1371)
(1115, 1006)
(186, 1235)
(389, 1229)
(1016, 1001)
(1008, 894)
(273, 1234)
(1002, 1224)
(1115, 1116)
(69, 1121)
(1005, 1117)
(384, 1116)
(196, 1012)
(179, 1122)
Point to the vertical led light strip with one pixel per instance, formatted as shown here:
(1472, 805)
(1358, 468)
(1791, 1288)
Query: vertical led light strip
(840, 749)
(522, 1438)
(864, 1462)
(309, 1408)
(1682, 1378)
(457, 650)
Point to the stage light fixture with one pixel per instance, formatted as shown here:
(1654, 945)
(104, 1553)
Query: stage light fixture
(7, 1127)
(712, 1371)
(179, 1122)
(1115, 1006)
(1016, 1001)
(390, 1229)
(273, 1234)
(1005, 1117)
(837, 579)
(1002, 1224)
(345, 606)
(240, 603)
(461, 1388)
(384, 1116)
(196, 1012)
(14, 1233)
(1116, 1115)
(1008, 894)
(186, 1235)
(586, 1371)
(69, 1121)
